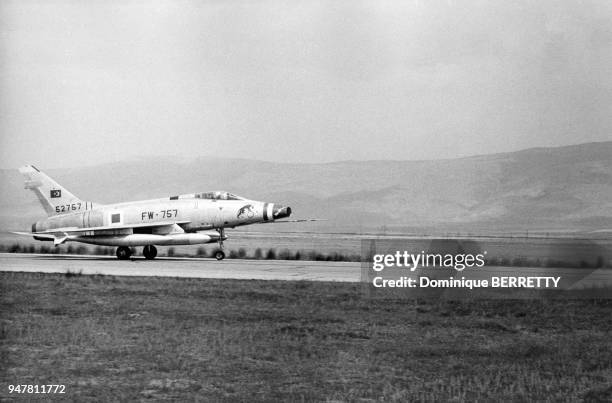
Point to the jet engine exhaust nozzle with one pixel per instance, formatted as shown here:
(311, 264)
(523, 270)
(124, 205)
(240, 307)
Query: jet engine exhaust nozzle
(281, 212)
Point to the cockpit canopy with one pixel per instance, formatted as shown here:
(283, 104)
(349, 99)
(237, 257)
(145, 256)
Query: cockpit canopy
(216, 195)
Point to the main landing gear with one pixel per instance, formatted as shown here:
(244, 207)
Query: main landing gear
(124, 253)
(149, 252)
(219, 254)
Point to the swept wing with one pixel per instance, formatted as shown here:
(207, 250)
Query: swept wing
(61, 235)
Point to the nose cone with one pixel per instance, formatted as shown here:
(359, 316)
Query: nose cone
(281, 212)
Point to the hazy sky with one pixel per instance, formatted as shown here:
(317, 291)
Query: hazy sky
(84, 82)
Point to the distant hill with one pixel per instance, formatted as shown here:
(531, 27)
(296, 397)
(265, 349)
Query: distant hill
(542, 188)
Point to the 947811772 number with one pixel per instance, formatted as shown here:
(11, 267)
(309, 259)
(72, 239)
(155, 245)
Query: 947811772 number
(34, 389)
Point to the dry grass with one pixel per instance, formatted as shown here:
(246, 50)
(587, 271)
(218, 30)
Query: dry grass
(116, 338)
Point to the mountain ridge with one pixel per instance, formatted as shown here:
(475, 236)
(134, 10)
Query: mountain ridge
(544, 187)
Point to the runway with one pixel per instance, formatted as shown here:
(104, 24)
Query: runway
(249, 269)
(183, 267)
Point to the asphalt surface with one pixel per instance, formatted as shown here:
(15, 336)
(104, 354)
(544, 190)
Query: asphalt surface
(244, 269)
(183, 267)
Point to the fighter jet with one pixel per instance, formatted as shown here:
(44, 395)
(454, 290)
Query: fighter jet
(189, 219)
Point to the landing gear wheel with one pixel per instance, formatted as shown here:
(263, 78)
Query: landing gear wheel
(124, 253)
(219, 255)
(149, 252)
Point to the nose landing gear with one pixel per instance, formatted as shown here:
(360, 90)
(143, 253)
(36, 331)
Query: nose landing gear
(219, 254)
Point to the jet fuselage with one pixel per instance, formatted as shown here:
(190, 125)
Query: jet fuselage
(187, 219)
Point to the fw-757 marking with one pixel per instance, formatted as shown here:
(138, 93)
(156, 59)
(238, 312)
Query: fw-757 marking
(150, 215)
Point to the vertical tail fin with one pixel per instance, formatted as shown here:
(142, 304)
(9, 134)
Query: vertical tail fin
(54, 198)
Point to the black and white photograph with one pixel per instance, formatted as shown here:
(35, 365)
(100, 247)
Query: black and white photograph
(306, 201)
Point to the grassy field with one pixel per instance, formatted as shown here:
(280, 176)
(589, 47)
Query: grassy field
(124, 338)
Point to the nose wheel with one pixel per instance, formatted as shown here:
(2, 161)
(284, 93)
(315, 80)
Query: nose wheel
(219, 255)
(149, 252)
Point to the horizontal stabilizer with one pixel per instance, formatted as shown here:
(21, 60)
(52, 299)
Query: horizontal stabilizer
(58, 238)
(43, 236)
